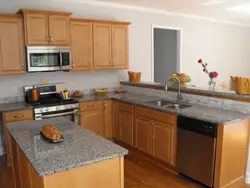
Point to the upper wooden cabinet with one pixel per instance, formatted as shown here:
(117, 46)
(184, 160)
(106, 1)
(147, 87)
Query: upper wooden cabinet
(110, 46)
(11, 45)
(120, 46)
(46, 27)
(81, 45)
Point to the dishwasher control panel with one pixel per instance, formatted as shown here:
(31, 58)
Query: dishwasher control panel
(199, 126)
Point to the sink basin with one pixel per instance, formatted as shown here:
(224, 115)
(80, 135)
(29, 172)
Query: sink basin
(169, 104)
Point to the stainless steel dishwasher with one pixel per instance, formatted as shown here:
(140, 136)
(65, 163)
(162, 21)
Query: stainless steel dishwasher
(196, 146)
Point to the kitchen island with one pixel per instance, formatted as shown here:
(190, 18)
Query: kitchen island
(83, 159)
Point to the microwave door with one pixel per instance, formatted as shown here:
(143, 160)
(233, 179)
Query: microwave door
(41, 61)
(65, 60)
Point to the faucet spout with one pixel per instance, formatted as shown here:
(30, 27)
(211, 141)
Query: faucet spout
(179, 96)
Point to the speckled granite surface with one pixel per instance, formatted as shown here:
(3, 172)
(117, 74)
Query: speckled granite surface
(197, 90)
(206, 113)
(13, 106)
(80, 146)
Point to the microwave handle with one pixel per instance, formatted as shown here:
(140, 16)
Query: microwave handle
(60, 60)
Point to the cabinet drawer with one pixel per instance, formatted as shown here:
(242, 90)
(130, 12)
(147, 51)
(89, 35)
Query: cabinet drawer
(126, 107)
(18, 116)
(90, 105)
(156, 115)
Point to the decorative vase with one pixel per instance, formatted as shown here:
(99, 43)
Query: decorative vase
(212, 84)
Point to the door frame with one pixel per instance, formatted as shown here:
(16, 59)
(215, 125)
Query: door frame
(179, 56)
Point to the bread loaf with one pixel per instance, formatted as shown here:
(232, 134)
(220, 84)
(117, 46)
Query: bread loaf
(51, 132)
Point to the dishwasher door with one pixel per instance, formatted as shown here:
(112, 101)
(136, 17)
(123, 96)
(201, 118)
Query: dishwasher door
(196, 156)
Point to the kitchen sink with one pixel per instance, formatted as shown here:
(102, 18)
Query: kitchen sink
(169, 104)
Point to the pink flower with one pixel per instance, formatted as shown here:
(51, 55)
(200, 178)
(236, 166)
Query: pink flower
(200, 61)
(206, 71)
(215, 74)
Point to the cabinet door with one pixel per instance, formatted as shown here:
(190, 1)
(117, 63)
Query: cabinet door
(11, 46)
(81, 45)
(24, 115)
(115, 117)
(102, 46)
(164, 142)
(107, 119)
(126, 126)
(59, 30)
(37, 29)
(120, 46)
(143, 134)
(93, 121)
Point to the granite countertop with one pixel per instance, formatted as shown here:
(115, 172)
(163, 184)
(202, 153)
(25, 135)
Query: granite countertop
(80, 146)
(196, 111)
(191, 89)
(13, 106)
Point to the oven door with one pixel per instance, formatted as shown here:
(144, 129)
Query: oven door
(72, 115)
(48, 58)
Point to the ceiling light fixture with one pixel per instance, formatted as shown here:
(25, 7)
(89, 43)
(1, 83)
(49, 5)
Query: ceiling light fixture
(241, 8)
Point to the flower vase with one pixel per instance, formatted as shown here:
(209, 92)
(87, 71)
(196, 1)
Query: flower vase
(211, 84)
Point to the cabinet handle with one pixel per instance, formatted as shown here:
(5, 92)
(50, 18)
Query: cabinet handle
(90, 106)
(104, 106)
(47, 39)
(124, 113)
(23, 67)
(50, 39)
(19, 116)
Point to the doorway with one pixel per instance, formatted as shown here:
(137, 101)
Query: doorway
(166, 52)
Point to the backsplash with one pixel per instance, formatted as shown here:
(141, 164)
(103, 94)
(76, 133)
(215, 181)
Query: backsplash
(195, 99)
(12, 86)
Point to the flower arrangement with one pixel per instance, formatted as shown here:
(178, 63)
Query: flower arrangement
(211, 75)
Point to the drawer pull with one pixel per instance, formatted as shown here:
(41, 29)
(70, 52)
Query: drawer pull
(19, 116)
(90, 106)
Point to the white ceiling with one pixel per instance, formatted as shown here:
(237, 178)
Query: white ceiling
(195, 7)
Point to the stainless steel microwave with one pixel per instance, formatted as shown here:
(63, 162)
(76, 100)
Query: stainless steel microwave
(48, 58)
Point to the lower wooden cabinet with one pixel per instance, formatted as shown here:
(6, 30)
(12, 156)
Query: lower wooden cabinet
(126, 127)
(107, 119)
(92, 120)
(115, 120)
(15, 116)
(164, 142)
(143, 134)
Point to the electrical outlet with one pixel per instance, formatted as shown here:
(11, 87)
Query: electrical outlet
(14, 89)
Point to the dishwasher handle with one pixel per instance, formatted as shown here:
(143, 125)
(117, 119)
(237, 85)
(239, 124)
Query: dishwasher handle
(194, 125)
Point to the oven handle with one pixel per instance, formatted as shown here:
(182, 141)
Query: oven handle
(56, 115)
(60, 60)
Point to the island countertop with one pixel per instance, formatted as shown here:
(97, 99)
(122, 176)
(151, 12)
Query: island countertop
(80, 146)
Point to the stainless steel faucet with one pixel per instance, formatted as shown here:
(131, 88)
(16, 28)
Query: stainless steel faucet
(179, 96)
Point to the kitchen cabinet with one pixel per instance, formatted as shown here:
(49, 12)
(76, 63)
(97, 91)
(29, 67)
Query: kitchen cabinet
(91, 116)
(11, 45)
(102, 46)
(164, 142)
(126, 123)
(115, 120)
(46, 27)
(156, 134)
(92, 120)
(126, 126)
(143, 134)
(110, 46)
(9, 117)
(107, 119)
(120, 46)
(81, 45)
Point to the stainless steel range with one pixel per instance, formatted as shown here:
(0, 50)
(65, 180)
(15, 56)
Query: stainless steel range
(52, 105)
